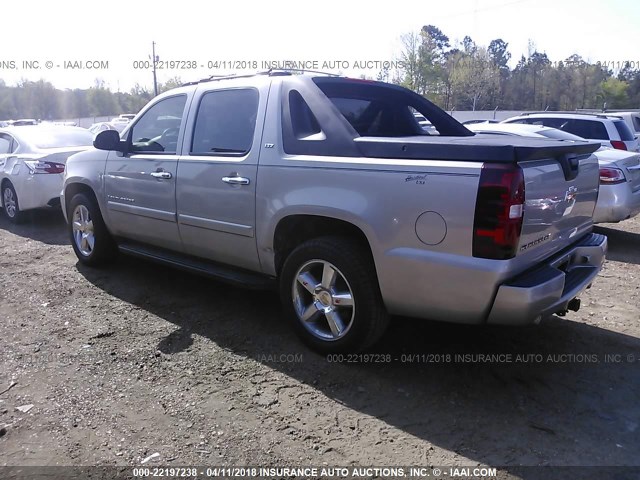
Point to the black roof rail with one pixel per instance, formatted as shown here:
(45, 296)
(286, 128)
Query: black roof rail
(272, 72)
(284, 71)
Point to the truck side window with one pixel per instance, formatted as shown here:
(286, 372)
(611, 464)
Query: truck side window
(225, 122)
(157, 130)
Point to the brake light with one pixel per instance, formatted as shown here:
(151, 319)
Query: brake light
(618, 144)
(611, 176)
(499, 212)
(39, 166)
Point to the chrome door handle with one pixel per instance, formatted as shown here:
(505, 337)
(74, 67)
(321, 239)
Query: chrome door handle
(236, 180)
(637, 167)
(161, 174)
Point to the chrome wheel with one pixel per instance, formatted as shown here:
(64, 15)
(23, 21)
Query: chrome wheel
(83, 234)
(9, 202)
(323, 300)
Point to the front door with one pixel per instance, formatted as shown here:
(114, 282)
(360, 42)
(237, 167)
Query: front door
(140, 186)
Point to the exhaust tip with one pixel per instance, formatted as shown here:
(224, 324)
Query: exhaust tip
(574, 305)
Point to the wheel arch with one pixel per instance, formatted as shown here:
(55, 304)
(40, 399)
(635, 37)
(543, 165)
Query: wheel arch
(73, 189)
(295, 229)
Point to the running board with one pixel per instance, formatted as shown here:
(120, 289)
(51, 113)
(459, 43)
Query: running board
(223, 273)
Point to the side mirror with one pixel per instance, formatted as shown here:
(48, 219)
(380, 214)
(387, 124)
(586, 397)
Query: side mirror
(108, 140)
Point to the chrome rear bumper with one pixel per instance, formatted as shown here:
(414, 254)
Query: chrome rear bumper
(548, 289)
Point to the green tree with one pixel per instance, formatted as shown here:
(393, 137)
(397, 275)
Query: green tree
(613, 93)
(101, 101)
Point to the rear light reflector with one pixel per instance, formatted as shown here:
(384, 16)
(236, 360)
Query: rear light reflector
(618, 144)
(611, 176)
(39, 166)
(499, 212)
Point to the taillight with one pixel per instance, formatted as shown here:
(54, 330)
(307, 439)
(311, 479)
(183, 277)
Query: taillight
(499, 212)
(39, 166)
(618, 144)
(611, 176)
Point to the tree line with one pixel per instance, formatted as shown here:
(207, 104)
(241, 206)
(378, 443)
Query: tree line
(468, 76)
(41, 100)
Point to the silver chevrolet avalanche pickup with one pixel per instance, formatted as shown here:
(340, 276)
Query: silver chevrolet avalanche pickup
(328, 188)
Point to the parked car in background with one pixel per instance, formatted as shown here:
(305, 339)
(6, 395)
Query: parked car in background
(32, 161)
(632, 119)
(119, 123)
(609, 130)
(473, 122)
(128, 116)
(525, 130)
(425, 124)
(619, 197)
(23, 121)
(102, 126)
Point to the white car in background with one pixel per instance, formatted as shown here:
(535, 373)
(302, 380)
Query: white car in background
(619, 197)
(96, 128)
(32, 161)
(609, 130)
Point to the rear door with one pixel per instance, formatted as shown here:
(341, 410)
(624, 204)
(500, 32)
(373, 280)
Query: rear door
(140, 187)
(217, 173)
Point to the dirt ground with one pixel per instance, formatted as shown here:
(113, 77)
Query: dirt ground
(138, 359)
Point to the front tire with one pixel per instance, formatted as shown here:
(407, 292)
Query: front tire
(91, 241)
(331, 296)
(10, 203)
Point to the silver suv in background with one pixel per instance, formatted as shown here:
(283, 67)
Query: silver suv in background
(610, 130)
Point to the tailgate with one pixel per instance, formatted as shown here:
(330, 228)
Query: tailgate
(560, 197)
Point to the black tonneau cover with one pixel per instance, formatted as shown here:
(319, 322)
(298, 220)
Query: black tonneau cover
(485, 148)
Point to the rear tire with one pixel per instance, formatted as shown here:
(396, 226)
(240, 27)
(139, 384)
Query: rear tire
(10, 204)
(331, 296)
(91, 241)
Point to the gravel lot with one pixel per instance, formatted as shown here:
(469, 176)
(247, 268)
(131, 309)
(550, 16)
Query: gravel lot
(136, 359)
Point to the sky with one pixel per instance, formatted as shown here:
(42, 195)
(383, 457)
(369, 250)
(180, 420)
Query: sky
(72, 43)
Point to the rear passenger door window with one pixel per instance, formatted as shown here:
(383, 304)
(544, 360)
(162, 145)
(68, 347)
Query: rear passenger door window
(225, 122)
(5, 144)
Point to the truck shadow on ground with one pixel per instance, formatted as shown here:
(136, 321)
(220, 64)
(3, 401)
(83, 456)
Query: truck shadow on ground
(46, 226)
(623, 246)
(570, 399)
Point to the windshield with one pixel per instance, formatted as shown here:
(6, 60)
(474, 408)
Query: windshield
(57, 138)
